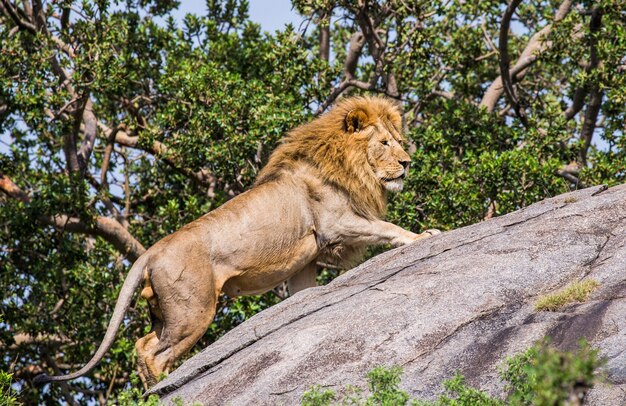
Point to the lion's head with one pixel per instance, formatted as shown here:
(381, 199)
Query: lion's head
(384, 148)
(357, 146)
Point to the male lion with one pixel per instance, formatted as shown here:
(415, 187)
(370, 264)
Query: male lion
(321, 195)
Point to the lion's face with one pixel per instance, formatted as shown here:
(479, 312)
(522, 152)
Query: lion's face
(385, 154)
(388, 159)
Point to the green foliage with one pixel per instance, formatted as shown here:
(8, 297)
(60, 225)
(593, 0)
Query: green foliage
(458, 393)
(383, 388)
(574, 292)
(133, 396)
(317, 396)
(540, 376)
(383, 385)
(465, 160)
(544, 375)
(8, 397)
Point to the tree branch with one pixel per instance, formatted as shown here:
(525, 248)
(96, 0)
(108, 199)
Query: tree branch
(325, 33)
(202, 177)
(27, 9)
(12, 190)
(595, 94)
(578, 101)
(104, 227)
(89, 138)
(536, 45)
(377, 48)
(8, 10)
(505, 74)
(76, 160)
(107, 201)
(445, 95)
(64, 386)
(342, 87)
(70, 148)
(27, 372)
(40, 339)
(492, 210)
(570, 177)
(106, 159)
(487, 39)
(357, 40)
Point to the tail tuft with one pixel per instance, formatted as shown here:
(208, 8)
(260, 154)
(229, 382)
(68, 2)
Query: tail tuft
(41, 379)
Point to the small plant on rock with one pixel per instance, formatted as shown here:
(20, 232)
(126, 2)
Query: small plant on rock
(574, 292)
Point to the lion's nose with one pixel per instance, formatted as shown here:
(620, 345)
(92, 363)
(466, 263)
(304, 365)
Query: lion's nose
(405, 164)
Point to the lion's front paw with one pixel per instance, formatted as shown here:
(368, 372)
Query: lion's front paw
(426, 234)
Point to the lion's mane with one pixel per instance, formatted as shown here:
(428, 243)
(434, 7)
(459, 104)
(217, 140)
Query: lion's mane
(339, 154)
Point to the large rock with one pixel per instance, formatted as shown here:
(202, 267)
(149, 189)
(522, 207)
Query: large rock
(461, 301)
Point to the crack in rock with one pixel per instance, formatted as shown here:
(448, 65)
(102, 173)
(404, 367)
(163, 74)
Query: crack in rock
(481, 316)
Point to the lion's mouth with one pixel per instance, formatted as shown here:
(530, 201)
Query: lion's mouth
(394, 184)
(401, 177)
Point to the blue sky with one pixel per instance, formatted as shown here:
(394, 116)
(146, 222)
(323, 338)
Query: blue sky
(271, 14)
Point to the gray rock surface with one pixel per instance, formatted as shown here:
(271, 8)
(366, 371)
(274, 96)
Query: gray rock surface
(460, 301)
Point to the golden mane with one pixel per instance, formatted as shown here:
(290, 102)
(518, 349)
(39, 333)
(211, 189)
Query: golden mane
(330, 144)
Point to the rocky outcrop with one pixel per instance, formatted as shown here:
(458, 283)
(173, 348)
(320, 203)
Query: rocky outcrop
(460, 301)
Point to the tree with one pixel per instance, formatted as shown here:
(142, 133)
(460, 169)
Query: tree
(120, 125)
(500, 117)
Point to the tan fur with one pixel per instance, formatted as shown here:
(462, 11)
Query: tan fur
(322, 194)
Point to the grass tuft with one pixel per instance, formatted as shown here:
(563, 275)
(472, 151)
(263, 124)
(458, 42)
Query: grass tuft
(574, 292)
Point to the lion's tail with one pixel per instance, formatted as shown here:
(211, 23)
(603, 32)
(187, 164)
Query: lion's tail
(132, 281)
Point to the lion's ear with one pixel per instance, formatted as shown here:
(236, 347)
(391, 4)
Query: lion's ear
(356, 120)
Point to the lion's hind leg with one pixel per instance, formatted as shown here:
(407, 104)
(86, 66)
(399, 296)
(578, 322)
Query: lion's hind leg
(146, 346)
(179, 335)
(187, 310)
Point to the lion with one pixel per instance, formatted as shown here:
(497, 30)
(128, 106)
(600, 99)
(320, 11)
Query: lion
(322, 195)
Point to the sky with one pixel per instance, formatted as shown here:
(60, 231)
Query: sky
(272, 15)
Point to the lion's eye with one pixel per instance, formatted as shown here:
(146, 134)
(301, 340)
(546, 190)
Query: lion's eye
(385, 143)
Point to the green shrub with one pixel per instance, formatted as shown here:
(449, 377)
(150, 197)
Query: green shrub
(457, 393)
(544, 375)
(383, 384)
(134, 395)
(316, 396)
(7, 394)
(540, 376)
